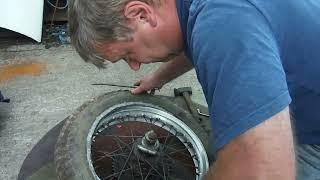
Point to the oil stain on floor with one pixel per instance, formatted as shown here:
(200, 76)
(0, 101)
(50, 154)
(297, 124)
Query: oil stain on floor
(12, 71)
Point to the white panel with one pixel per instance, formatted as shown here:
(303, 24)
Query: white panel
(22, 16)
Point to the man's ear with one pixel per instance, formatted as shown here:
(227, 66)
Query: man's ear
(137, 11)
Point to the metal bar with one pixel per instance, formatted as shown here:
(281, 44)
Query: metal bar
(2, 99)
(152, 92)
(115, 85)
(202, 114)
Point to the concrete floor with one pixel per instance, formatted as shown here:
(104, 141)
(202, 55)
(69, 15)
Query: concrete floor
(41, 101)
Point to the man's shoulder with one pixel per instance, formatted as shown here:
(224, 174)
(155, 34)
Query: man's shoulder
(224, 25)
(223, 16)
(201, 5)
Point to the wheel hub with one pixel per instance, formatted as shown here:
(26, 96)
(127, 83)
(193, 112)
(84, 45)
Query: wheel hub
(149, 144)
(144, 162)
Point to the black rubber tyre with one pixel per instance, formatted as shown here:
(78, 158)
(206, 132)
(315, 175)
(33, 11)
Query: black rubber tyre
(70, 151)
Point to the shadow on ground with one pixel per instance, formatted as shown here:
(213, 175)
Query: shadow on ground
(5, 109)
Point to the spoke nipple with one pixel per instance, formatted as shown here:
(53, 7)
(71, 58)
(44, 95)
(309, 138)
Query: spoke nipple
(179, 134)
(189, 144)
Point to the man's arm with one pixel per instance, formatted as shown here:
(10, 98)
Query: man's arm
(174, 68)
(264, 152)
(166, 72)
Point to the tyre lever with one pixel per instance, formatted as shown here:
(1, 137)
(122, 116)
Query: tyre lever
(152, 91)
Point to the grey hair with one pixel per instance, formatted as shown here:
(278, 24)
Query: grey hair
(94, 22)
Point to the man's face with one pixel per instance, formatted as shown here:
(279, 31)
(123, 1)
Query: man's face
(143, 48)
(155, 36)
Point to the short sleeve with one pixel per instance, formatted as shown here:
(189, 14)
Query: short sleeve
(238, 64)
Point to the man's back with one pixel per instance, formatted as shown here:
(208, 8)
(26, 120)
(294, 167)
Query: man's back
(296, 27)
(246, 52)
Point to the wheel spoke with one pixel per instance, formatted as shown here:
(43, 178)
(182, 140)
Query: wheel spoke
(140, 167)
(132, 173)
(147, 174)
(127, 145)
(154, 168)
(170, 135)
(178, 162)
(179, 151)
(114, 174)
(164, 170)
(109, 154)
(125, 160)
(110, 135)
(125, 164)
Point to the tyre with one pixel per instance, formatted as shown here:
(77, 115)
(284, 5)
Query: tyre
(124, 136)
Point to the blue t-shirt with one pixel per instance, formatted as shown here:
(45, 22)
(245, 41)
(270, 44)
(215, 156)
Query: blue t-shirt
(251, 58)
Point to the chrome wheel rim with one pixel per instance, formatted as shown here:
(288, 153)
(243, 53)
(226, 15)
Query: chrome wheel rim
(145, 117)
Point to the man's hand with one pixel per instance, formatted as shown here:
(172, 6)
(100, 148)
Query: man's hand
(265, 152)
(148, 83)
(166, 72)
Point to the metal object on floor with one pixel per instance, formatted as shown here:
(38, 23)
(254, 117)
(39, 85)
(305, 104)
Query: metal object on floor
(152, 91)
(115, 85)
(118, 85)
(116, 138)
(202, 114)
(186, 92)
(3, 99)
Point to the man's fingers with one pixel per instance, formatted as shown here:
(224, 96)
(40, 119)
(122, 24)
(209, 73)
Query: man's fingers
(138, 90)
(137, 83)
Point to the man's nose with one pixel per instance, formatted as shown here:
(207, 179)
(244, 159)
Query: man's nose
(133, 64)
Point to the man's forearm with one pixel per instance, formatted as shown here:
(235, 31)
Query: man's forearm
(173, 68)
(263, 152)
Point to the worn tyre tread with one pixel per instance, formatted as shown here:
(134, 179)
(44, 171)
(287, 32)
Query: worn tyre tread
(63, 167)
(64, 157)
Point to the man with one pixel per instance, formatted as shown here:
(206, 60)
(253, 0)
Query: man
(250, 57)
